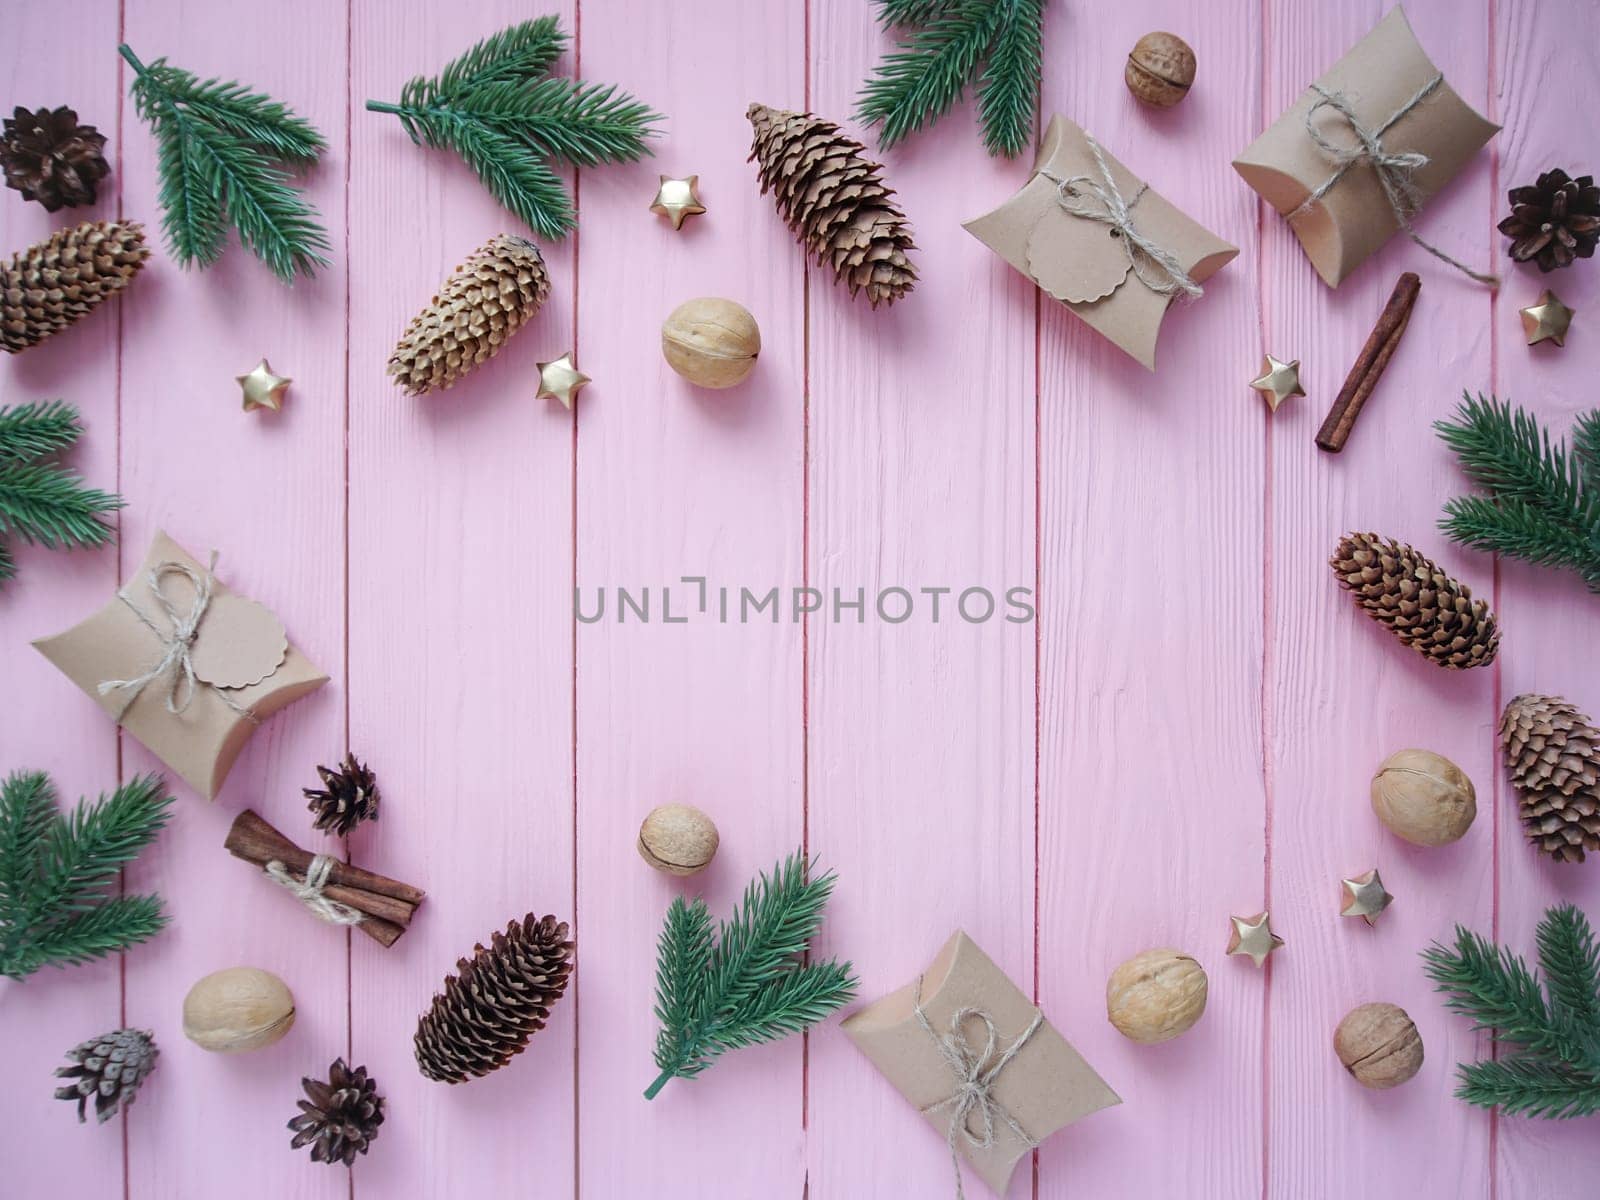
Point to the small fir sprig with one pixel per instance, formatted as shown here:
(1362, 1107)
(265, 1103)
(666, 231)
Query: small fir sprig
(748, 983)
(41, 501)
(497, 109)
(56, 872)
(951, 43)
(224, 155)
(1543, 500)
(1556, 1072)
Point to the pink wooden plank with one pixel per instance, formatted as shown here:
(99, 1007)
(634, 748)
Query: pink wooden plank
(675, 481)
(1540, 54)
(1344, 693)
(265, 491)
(460, 643)
(1150, 656)
(921, 733)
(50, 729)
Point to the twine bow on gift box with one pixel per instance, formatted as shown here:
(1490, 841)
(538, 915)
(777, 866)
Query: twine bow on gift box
(1101, 200)
(1394, 171)
(975, 1077)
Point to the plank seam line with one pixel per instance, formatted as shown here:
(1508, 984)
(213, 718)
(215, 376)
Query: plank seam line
(1268, 662)
(577, 986)
(116, 406)
(1491, 103)
(805, 618)
(349, 142)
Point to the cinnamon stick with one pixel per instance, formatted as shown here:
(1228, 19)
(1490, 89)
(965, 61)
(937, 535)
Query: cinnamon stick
(255, 841)
(1370, 364)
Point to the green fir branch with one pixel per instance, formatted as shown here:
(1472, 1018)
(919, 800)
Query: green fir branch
(749, 983)
(40, 501)
(1524, 1087)
(32, 430)
(55, 871)
(491, 106)
(951, 44)
(222, 153)
(1586, 445)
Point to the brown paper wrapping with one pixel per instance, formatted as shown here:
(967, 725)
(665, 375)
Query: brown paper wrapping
(1378, 76)
(1078, 261)
(1046, 1087)
(239, 647)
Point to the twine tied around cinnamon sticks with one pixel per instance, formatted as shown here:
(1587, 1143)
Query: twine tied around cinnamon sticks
(1394, 171)
(309, 891)
(1101, 200)
(177, 642)
(975, 1076)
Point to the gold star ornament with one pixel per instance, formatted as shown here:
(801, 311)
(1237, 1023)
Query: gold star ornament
(1364, 897)
(1547, 321)
(262, 389)
(560, 379)
(1278, 380)
(677, 199)
(1253, 937)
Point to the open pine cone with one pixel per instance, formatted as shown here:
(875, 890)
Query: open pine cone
(110, 1068)
(64, 278)
(49, 157)
(1553, 755)
(499, 999)
(1555, 220)
(348, 796)
(1422, 606)
(341, 1118)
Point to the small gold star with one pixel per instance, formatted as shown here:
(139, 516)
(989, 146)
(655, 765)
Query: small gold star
(1278, 380)
(1253, 936)
(1546, 321)
(560, 379)
(677, 199)
(262, 389)
(1365, 897)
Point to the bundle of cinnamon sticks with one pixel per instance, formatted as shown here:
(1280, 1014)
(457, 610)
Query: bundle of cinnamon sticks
(386, 905)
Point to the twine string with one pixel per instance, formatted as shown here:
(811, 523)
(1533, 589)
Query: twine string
(309, 891)
(1155, 266)
(1394, 171)
(975, 1076)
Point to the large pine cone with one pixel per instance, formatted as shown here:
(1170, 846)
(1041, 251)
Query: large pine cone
(342, 1116)
(1554, 221)
(348, 796)
(49, 157)
(1553, 755)
(487, 299)
(1425, 608)
(834, 199)
(110, 1068)
(497, 1001)
(49, 286)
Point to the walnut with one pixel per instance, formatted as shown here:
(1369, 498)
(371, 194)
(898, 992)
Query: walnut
(1424, 797)
(678, 839)
(711, 342)
(1155, 996)
(1379, 1045)
(237, 1009)
(1160, 69)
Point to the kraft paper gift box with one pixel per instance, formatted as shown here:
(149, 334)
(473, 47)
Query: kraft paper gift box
(1397, 96)
(193, 700)
(1060, 230)
(975, 1023)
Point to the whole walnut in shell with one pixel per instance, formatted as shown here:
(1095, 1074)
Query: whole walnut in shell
(237, 1009)
(1155, 996)
(1424, 797)
(711, 342)
(678, 839)
(1379, 1045)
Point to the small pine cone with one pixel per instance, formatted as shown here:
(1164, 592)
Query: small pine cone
(1553, 756)
(49, 157)
(49, 286)
(498, 999)
(835, 201)
(348, 796)
(341, 1118)
(1426, 609)
(110, 1068)
(1555, 220)
(487, 299)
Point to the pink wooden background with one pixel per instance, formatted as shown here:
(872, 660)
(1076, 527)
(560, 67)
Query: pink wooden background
(1186, 732)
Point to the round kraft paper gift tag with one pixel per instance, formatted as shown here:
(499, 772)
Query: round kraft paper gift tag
(1075, 259)
(240, 643)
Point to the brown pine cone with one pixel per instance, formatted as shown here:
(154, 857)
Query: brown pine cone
(348, 796)
(1422, 606)
(49, 157)
(1553, 756)
(834, 199)
(341, 1118)
(110, 1068)
(49, 286)
(487, 299)
(498, 999)
(1555, 220)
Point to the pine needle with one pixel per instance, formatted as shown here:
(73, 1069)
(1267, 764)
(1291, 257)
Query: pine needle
(492, 107)
(32, 430)
(40, 501)
(222, 154)
(747, 984)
